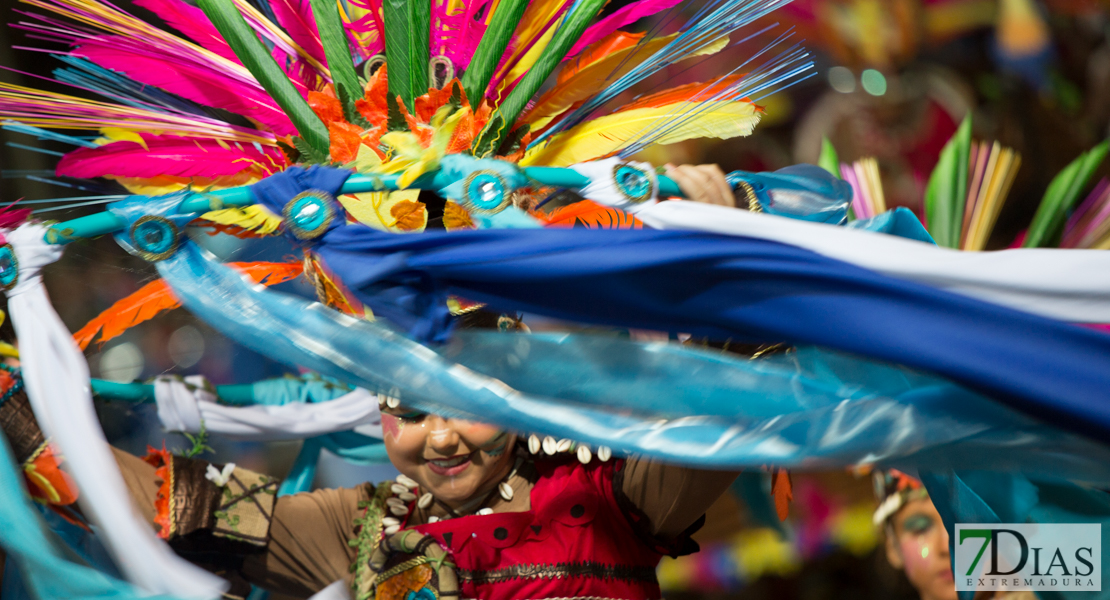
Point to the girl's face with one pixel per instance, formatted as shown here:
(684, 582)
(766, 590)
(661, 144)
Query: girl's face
(919, 545)
(457, 461)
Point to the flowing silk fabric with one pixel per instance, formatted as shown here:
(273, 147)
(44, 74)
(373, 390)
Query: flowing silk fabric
(185, 408)
(732, 286)
(724, 287)
(57, 380)
(43, 563)
(1071, 285)
(897, 418)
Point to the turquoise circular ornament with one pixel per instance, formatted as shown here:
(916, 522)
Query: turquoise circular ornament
(309, 214)
(9, 267)
(486, 192)
(154, 238)
(633, 183)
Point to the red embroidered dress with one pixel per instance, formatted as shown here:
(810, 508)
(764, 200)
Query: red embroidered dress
(575, 542)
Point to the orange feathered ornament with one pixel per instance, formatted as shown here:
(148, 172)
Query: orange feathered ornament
(156, 297)
(590, 215)
(783, 492)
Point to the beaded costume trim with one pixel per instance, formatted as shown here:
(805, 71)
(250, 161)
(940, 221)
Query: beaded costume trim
(368, 531)
(750, 196)
(559, 571)
(9, 377)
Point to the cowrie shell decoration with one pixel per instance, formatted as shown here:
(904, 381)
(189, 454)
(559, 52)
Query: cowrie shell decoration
(584, 455)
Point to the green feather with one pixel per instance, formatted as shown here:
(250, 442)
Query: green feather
(1061, 196)
(829, 160)
(490, 48)
(963, 167)
(407, 27)
(568, 33)
(254, 56)
(338, 53)
(946, 193)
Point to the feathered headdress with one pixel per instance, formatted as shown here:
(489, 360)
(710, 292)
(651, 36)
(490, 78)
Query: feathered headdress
(233, 91)
(239, 91)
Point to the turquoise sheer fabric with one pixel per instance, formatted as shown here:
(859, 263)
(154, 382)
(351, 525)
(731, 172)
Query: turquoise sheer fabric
(998, 497)
(811, 408)
(49, 567)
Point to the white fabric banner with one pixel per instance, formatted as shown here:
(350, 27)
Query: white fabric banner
(57, 382)
(335, 591)
(604, 189)
(1070, 285)
(183, 405)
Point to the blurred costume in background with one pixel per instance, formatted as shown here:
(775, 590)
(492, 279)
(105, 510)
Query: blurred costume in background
(916, 540)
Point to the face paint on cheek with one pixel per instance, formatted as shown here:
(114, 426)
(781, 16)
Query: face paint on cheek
(392, 426)
(497, 444)
(916, 553)
(439, 436)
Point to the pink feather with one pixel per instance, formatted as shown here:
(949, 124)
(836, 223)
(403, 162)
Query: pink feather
(296, 17)
(168, 155)
(625, 16)
(369, 23)
(11, 217)
(181, 75)
(192, 22)
(456, 35)
(297, 68)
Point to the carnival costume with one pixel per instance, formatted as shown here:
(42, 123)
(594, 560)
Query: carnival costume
(347, 110)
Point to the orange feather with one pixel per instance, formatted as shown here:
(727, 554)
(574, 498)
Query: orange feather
(614, 42)
(591, 215)
(691, 92)
(783, 492)
(156, 297)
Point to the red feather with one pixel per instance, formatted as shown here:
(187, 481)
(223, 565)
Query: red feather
(169, 155)
(199, 82)
(625, 16)
(156, 297)
(297, 19)
(192, 22)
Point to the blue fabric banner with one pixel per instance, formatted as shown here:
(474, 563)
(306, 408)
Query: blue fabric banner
(732, 287)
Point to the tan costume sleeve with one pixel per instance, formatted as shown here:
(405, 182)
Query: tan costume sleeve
(671, 498)
(309, 537)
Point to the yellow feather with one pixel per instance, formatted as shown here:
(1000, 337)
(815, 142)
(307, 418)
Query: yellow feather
(367, 161)
(373, 209)
(592, 78)
(115, 134)
(538, 14)
(413, 158)
(611, 133)
(252, 218)
(528, 60)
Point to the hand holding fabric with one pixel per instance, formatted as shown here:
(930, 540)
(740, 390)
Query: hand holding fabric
(703, 183)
